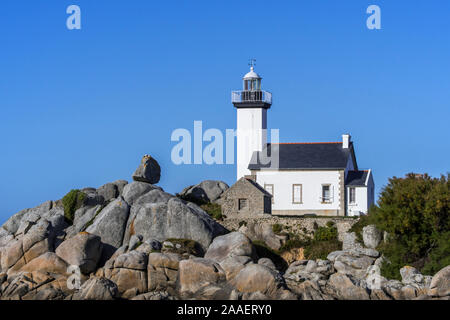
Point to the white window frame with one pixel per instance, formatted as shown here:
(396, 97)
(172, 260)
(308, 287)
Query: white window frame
(330, 199)
(293, 193)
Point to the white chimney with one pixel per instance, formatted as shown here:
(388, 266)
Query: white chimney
(346, 141)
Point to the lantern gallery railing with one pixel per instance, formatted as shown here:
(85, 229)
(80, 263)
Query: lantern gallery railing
(251, 96)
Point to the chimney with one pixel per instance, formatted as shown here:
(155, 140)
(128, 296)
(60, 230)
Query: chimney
(346, 141)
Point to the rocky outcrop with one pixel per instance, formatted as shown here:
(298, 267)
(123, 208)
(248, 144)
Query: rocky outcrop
(135, 241)
(204, 192)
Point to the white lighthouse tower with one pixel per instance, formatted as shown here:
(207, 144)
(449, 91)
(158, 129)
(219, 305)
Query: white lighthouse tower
(251, 104)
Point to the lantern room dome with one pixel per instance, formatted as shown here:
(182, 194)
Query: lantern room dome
(251, 75)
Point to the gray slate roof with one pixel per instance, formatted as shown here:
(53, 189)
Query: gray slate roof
(356, 178)
(326, 155)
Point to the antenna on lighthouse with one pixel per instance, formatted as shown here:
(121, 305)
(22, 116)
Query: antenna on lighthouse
(252, 62)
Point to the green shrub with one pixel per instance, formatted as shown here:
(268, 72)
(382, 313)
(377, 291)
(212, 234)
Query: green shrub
(321, 249)
(327, 233)
(415, 212)
(276, 228)
(214, 210)
(72, 201)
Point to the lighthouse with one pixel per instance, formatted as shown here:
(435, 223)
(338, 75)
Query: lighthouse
(251, 105)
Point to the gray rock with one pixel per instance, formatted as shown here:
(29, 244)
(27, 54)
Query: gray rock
(132, 260)
(230, 245)
(267, 262)
(345, 287)
(134, 190)
(197, 273)
(256, 277)
(97, 289)
(175, 220)
(355, 265)
(205, 191)
(108, 191)
(371, 236)
(234, 264)
(111, 222)
(148, 171)
(440, 284)
(350, 244)
(134, 242)
(412, 276)
(83, 250)
(261, 231)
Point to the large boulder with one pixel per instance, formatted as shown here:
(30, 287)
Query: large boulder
(33, 244)
(258, 278)
(205, 191)
(97, 288)
(130, 274)
(230, 245)
(134, 190)
(353, 264)
(411, 276)
(371, 236)
(440, 284)
(175, 219)
(47, 262)
(162, 270)
(345, 287)
(83, 250)
(197, 273)
(111, 222)
(148, 171)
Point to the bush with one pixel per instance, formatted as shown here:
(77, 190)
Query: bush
(327, 233)
(72, 201)
(415, 212)
(276, 228)
(214, 210)
(321, 249)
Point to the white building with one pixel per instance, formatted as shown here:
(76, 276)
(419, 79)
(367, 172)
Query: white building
(307, 178)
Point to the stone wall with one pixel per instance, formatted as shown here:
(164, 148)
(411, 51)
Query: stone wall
(293, 224)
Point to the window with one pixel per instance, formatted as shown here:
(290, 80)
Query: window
(326, 194)
(352, 195)
(296, 193)
(269, 189)
(243, 204)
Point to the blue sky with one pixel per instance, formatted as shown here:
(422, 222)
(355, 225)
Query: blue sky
(79, 108)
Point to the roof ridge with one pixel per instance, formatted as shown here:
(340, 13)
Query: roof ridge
(306, 142)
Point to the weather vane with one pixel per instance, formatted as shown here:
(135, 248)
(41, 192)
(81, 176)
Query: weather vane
(252, 62)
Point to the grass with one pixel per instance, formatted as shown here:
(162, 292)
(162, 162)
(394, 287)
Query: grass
(277, 228)
(214, 210)
(72, 201)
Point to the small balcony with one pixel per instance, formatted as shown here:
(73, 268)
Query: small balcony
(246, 97)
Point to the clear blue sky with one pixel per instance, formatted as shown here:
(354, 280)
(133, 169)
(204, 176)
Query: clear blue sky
(79, 108)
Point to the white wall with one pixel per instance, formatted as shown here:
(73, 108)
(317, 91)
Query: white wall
(251, 136)
(361, 204)
(311, 181)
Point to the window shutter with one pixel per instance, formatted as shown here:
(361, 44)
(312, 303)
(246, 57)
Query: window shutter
(332, 193)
